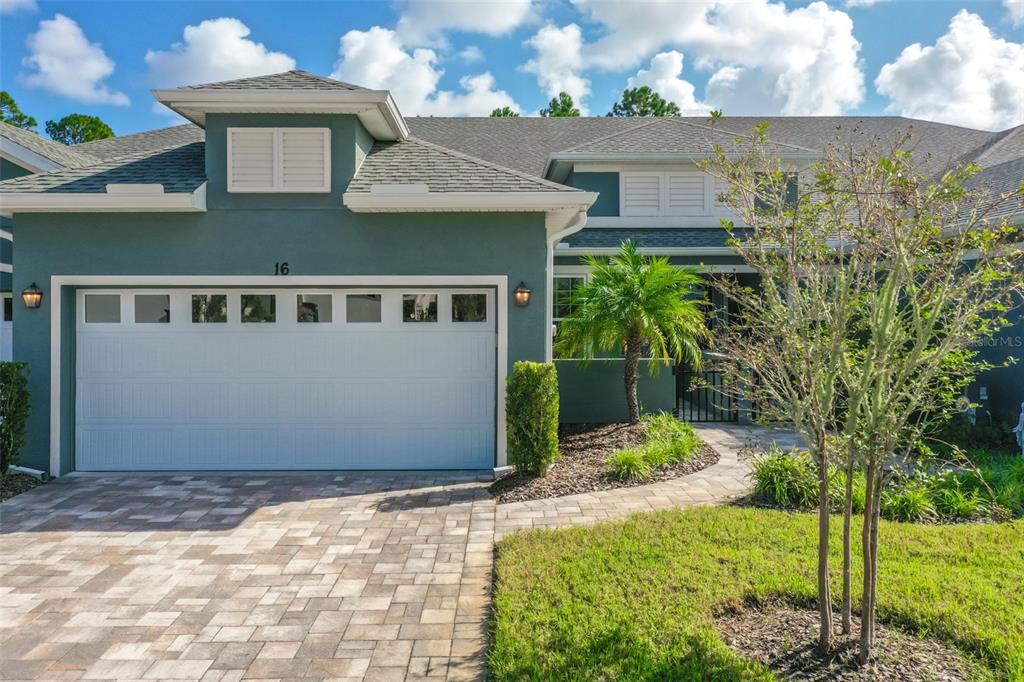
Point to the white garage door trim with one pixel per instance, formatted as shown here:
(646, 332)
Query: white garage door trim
(499, 283)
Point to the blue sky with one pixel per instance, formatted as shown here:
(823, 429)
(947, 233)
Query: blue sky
(458, 58)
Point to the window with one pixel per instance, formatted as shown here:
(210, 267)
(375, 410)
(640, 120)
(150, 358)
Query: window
(259, 308)
(565, 287)
(279, 160)
(792, 189)
(103, 308)
(419, 308)
(209, 308)
(152, 308)
(469, 307)
(314, 307)
(362, 308)
(8, 309)
(673, 193)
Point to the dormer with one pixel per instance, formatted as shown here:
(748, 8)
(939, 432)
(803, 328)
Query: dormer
(287, 140)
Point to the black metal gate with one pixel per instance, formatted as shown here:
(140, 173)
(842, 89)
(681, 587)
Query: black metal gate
(700, 396)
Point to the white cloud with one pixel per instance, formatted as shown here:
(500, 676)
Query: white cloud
(423, 22)
(800, 61)
(215, 50)
(1015, 10)
(471, 53)
(13, 6)
(968, 77)
(64, 61)
(863, 3)
(377, 58)
(663, 77)
(558, 64)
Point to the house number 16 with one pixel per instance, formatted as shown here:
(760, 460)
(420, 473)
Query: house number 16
(281, 268)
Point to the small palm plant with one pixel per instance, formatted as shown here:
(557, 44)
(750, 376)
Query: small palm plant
(634, 303)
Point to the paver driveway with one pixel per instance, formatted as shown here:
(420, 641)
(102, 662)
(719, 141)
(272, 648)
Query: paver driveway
(228, 577)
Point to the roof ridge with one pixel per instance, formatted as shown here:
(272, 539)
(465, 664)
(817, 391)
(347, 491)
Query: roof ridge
(326, 79)
(744, 135)
(488, 164)
(654, 120)
(83, 145)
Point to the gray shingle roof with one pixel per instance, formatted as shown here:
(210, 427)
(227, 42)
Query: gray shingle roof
(654, 238)
(69, 157)
(179, 169)
(1001, 179)
(151, 140)
(672, 135)
(414, 161)
(289, 80)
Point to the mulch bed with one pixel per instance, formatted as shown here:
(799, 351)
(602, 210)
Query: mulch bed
(784, 639)
(14, 484)
(582, 468)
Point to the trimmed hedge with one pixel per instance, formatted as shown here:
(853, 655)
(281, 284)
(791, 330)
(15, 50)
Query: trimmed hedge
(531, 408)
(14, 411)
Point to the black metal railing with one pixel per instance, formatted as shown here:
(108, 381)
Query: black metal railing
(701, 396)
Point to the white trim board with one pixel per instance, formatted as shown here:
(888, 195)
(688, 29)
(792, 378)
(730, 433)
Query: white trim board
(102, 202)
(6, 267)
(57, 282)
(416, 200)
(26, 158)
(4, 234)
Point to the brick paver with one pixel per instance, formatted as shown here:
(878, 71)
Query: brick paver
(232, 577)
(723, 481)
(227, 577)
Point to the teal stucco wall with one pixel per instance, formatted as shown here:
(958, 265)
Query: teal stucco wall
(1004, 384)
(593, 392)
(607, 187)
(246, 235)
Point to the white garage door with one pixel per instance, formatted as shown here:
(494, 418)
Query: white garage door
(285, 379)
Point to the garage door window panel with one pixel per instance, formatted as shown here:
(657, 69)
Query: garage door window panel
(259, 308)
(469, 307)
(362, 308)
(314, 308)
(152, 309)
(103, 308)
(209, 308)
(419, 307)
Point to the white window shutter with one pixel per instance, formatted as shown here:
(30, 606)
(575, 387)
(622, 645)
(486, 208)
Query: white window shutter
(641, 194)
(686, 194)
(305, 160)
(250, 160)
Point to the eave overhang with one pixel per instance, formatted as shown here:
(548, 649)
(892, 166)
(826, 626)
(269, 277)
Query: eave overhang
(459, 202)
(112, 201)
(376, 109)
(26, 158)
(560, 164)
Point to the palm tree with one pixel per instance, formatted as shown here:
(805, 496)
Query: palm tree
(635, 303)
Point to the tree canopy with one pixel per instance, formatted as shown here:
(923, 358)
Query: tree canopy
(643, 101)
(560, 107)
(12, 114)
(504, 112)
(78, 128)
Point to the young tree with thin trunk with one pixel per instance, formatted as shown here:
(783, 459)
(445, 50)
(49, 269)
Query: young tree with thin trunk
(638, 305)
(875, 282)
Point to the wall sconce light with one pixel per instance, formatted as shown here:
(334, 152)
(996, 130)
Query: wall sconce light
(522, 295)
(33, 296)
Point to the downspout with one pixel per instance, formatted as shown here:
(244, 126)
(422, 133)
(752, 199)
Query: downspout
(575, 225)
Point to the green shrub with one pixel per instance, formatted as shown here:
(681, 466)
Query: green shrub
(14, 411)
(630, 465)
(908, 501)
(785, 479)
(669, 439)
(532, 416)
(956, 503)
(837, 490)
(959, 432)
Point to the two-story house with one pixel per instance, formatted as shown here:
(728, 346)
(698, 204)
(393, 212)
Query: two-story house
(302, 278)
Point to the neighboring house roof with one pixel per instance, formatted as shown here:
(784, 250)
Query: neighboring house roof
(414, 161)
(149, 141)
(61, 154)
(179, 169)
(1002, 179)
(653, 238)
(675, 136)
(289, 80)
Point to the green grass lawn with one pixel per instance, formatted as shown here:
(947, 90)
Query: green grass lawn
(634, 600)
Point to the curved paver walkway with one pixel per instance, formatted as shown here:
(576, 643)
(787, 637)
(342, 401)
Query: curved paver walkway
(720, 482)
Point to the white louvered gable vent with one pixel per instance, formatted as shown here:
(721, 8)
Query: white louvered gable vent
(670, 193)
(687, 193)
(641, 194)
(279, 160)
